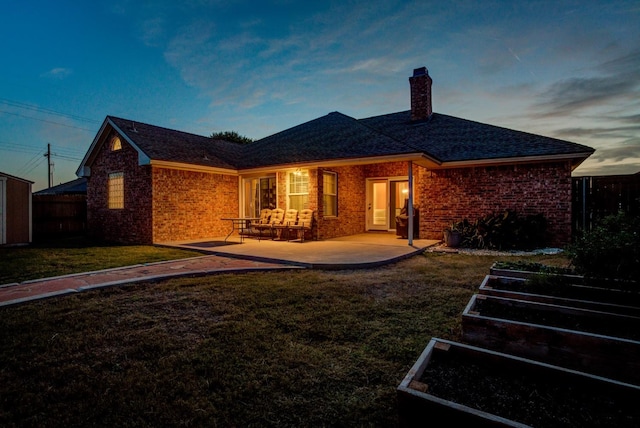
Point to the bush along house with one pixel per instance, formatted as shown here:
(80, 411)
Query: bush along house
(148, 184)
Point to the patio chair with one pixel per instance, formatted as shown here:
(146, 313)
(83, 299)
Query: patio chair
(306, 220)
(265, 215)
(277, 215)
(290, 218)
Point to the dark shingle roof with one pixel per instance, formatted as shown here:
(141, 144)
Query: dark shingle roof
(330, 137)
(451, 139)
(73, 187)
(175, 146)
(340, 137)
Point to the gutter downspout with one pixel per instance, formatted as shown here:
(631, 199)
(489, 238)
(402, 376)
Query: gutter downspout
(410, 207)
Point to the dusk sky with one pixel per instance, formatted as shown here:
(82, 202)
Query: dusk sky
(564, 69)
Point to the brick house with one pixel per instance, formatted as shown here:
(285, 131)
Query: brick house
(150, 184)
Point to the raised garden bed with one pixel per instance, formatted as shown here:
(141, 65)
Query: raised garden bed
(562, 293)
(602, 343)
(454, 384)
(536, 270)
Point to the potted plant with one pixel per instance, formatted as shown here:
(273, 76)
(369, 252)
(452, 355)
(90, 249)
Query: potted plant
(452, 236)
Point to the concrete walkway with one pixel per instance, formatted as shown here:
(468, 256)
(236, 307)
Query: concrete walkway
(359, 251)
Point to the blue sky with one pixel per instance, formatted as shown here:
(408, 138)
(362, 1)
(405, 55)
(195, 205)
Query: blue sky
(565, 69)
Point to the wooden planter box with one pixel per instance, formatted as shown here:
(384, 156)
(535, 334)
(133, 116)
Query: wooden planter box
(450, 383)
(596, 342)
(579, 296)
(616, 284)
(525, 274)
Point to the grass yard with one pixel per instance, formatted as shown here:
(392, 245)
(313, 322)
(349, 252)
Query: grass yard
(303, 348)
(76, 254)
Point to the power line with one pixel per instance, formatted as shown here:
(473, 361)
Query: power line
(46, 121)
(35, 166)
(45, 110)
(30, 162)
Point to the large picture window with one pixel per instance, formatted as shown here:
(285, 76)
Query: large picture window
(298, 191)
(116, 190)
(330, 194)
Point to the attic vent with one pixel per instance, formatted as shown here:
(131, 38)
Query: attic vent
(133, 127)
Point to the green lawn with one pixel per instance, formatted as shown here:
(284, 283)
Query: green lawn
(303, 348)
(73, 255)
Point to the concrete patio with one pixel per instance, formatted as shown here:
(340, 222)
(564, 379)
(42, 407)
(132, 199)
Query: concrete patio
(349, 252)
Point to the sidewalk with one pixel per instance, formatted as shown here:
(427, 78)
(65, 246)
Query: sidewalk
(11, 294)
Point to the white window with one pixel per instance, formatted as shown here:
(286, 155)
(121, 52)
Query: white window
(116, 190)
(330, 194)
(298, 192)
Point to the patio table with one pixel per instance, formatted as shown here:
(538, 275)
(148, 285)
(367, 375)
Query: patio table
(240, 224)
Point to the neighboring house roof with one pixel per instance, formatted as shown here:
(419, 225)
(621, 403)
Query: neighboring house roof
(2, 174)
(73, 187)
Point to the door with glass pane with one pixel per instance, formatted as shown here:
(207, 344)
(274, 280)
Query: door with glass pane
(259, 193)
(385, 199)
(377, 204)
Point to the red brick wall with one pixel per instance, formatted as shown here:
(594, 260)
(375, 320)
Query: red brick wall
(454, 194)
(132, 224)
(190, 205)
(351, 203)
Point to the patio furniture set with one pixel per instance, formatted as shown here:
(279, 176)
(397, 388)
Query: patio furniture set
(276, 224)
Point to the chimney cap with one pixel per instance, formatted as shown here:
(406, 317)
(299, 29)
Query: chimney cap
(420, 71)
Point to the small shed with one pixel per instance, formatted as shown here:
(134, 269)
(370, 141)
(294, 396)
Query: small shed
(15, 210)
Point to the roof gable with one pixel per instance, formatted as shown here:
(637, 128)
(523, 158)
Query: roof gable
(169, 145)
(157, 144)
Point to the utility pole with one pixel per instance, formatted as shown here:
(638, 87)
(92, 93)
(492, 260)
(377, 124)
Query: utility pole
(49, 171)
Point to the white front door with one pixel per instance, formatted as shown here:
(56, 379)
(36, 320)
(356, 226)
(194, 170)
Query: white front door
(378, 204)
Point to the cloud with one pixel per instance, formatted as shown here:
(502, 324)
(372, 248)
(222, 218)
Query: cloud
(57, 73)
(617, 82)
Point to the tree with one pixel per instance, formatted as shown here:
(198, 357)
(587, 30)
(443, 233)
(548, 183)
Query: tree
(232, 136)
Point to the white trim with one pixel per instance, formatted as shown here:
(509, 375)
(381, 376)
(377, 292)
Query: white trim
(143, 159)
(100, 138)
(416, 157)
(3, 210)
(83, 170)
(30, 214)
(192, 167)
(512, 161)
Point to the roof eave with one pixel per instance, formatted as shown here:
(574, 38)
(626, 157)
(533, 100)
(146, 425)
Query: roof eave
(192, 167)
(419, 158)
(576, 158)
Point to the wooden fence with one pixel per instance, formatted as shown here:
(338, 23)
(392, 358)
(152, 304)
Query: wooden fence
(596, 197)
(58, 215)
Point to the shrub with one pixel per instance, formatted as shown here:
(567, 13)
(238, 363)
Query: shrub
(504, 231)
(610, 250)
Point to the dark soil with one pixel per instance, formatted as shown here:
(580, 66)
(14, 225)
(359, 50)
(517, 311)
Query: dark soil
(525, 397)
(556, 287)
(628, 328)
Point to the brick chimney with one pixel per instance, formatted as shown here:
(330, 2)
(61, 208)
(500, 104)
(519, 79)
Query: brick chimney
(420, 94)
